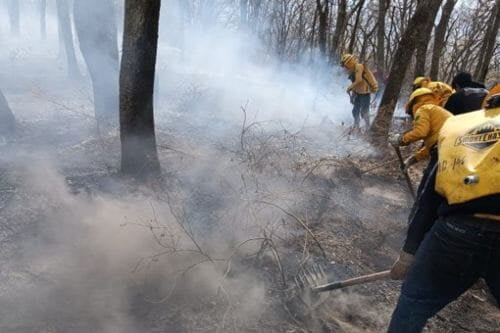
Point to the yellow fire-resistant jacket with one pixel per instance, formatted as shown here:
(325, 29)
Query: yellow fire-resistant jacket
(359, 85)
(428, 120)
(442, 90)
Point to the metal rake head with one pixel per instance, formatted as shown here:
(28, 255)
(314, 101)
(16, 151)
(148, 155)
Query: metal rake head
(306, 279)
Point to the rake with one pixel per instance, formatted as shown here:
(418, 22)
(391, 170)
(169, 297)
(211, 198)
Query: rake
(314, 283)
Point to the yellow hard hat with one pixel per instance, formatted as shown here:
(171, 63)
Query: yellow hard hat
(417, 93)
(346, 58)
(418, 81)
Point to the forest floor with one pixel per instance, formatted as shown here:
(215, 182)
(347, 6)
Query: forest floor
(216, 244)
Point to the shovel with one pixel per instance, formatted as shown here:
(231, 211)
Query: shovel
(405, 173)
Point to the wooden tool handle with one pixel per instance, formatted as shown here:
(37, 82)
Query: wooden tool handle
(405, 174)
(352, 282)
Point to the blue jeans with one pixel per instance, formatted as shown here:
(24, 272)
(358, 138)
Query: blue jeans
(452, 257)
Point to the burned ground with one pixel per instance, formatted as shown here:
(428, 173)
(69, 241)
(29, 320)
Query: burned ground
(216, 244)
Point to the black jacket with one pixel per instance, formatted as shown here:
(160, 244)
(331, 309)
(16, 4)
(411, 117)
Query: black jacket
(466, 100)
(431, 205)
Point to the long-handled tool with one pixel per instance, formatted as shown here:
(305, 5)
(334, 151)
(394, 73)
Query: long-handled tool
(352, 282)
(405, 173)
(314, 282)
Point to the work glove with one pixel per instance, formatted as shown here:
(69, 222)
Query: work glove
(401, 266)
(409, 162)
(395, 139)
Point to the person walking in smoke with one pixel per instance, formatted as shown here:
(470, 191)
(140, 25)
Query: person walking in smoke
(440, 89)
(469, 94)
(363, 84)
(454, 238)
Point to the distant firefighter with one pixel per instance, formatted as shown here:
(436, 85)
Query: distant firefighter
(363, 84)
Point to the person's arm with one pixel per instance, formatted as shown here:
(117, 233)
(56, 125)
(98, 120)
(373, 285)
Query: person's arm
(358, 77)
(420, 130)
(424, 215)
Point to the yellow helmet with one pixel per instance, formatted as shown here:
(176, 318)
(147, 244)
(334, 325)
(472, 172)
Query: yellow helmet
(417, 93)
(346, 58)
(418, 82)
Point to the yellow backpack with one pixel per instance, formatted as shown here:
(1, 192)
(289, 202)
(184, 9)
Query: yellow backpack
(370, 79)
(469, 156)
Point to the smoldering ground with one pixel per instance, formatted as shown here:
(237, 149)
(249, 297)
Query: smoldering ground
(215, 247)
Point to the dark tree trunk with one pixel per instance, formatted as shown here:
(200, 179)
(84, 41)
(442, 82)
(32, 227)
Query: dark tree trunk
(383, 5)
(323, 15)
(43, 19)
(97, 36)
(356, 25)
(137, 129)
(66, 32)
(422, 43)
(340, 26)
(489, 44)
(439, 37)
(14, 16)
(7, 120)
(424, 14)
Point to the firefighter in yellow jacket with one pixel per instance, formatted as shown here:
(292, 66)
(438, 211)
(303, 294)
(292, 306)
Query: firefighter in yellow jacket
(363, 84)
(454, 237)
(428, 117)
(442, 90)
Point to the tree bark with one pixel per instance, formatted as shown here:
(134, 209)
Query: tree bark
(43, 19)
(355, 28)
(97, 35)
(489, 44)
(422, 43)
(425, 13)
(14, 17)
(7, 119)
(323, 15)
(340, 26)
(137, 131)
(383, 5)
(66, 33)
(439, 37)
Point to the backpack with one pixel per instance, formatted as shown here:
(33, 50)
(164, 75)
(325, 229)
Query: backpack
(469, 146)
(370, 79)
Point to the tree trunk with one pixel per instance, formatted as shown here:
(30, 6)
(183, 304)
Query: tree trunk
(439, 37)
(340, 27)
(97, 36)
(424, 14)
(423, 43)
(137, 131)
(43, 19)
(323, 15)
(14, 16)
(489, 44)
(7, 120)
(383, 5)
(66, 33)
(356, 25)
